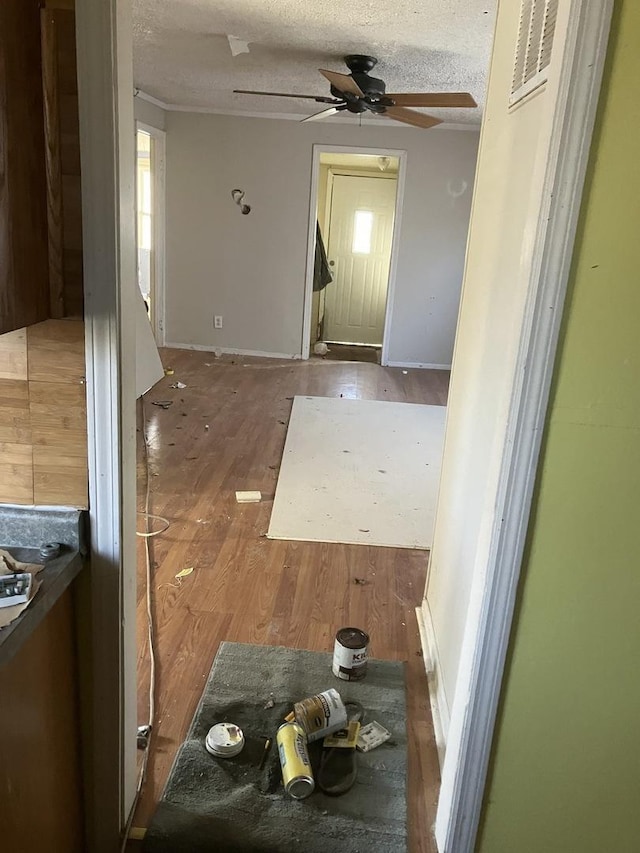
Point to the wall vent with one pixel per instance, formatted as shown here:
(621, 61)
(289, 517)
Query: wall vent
(534, 47)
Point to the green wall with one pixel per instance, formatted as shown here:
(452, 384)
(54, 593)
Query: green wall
(565, 774)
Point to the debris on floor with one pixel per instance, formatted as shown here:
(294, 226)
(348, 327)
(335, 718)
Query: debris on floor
(248, 497)
(183, 573)
(361, 581)
(224, 740)
(271, 701)
(163, 404)
(265, 752)
(180, 385)
(371, 736)
(169, 371)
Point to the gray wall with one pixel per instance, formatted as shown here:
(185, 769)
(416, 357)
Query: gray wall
(251, 269)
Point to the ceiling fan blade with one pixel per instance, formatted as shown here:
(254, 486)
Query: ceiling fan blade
(433, 99)
(342, 82)
(324, 114)
(319, 98)
(411, 117)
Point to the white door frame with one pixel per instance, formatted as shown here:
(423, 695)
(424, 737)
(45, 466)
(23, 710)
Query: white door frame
(104, 32)
(319, 149)
(490, 613)
(108, 607)
(159, 192)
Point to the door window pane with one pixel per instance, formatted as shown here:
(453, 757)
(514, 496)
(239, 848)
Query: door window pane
(362, 228)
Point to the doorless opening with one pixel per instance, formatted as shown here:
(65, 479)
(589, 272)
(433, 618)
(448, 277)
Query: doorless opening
(150, 223)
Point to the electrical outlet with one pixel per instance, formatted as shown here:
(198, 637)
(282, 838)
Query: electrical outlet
(217, 321)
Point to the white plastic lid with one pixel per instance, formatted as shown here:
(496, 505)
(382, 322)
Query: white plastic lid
(224, 740)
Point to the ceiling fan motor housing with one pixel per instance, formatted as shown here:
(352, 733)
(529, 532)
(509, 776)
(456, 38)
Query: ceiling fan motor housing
(360, 64)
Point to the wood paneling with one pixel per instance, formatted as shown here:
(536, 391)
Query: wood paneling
(60, 477)
(15, 422)
(247, 588)
(24, 269)
(58, 415)
(43, 421)
(16, 473)
(13, 355)
(56, 351)
(59, 435)
(39, 747)
(64, 200)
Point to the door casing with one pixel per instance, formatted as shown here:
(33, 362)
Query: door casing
(319, 149)
(159, 181)
(104, 33)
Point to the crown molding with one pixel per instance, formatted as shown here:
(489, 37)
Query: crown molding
(138, 93)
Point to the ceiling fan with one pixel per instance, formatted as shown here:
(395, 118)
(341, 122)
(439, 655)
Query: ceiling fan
(358, 93)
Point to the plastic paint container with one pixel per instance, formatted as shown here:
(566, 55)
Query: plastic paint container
(224, 740)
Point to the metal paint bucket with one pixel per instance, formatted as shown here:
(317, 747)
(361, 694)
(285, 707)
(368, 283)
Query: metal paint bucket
(321, 715)
(350, 654)
(297, 774)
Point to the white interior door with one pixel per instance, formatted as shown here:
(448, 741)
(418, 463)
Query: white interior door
(359, 252)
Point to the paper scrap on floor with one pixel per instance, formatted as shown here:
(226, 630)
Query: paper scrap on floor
(359, 472)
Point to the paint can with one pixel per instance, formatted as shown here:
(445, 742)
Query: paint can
(350, 654)
(224, 740)
(321, 715)
(297, 775)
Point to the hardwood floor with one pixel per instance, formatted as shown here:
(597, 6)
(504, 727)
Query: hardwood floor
(225, 431)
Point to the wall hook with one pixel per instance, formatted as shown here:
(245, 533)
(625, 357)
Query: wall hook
(237, 196)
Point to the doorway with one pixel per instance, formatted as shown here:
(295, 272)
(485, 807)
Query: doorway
(150, 224)
(354, 215)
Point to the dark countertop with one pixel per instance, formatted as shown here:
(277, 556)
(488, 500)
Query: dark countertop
(55, 579)
(22, 531)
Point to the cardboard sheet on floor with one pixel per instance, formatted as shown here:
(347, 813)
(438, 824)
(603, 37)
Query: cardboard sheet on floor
(359, 472)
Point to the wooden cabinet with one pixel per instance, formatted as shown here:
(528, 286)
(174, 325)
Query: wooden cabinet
(62, 135)
(40, 193)
(41, 804)
(24, 265)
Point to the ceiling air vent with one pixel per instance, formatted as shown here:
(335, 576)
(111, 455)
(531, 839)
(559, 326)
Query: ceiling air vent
(535, 43)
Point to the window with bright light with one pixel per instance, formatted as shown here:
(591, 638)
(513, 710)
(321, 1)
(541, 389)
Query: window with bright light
(362, 229)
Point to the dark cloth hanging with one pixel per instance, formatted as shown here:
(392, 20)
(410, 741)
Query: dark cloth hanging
(321, 272)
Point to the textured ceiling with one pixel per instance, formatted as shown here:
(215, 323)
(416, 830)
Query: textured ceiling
(182, 54)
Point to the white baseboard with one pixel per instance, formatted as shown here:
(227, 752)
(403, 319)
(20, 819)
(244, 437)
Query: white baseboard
(437, 697)
(418, 364)
(232, 351)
